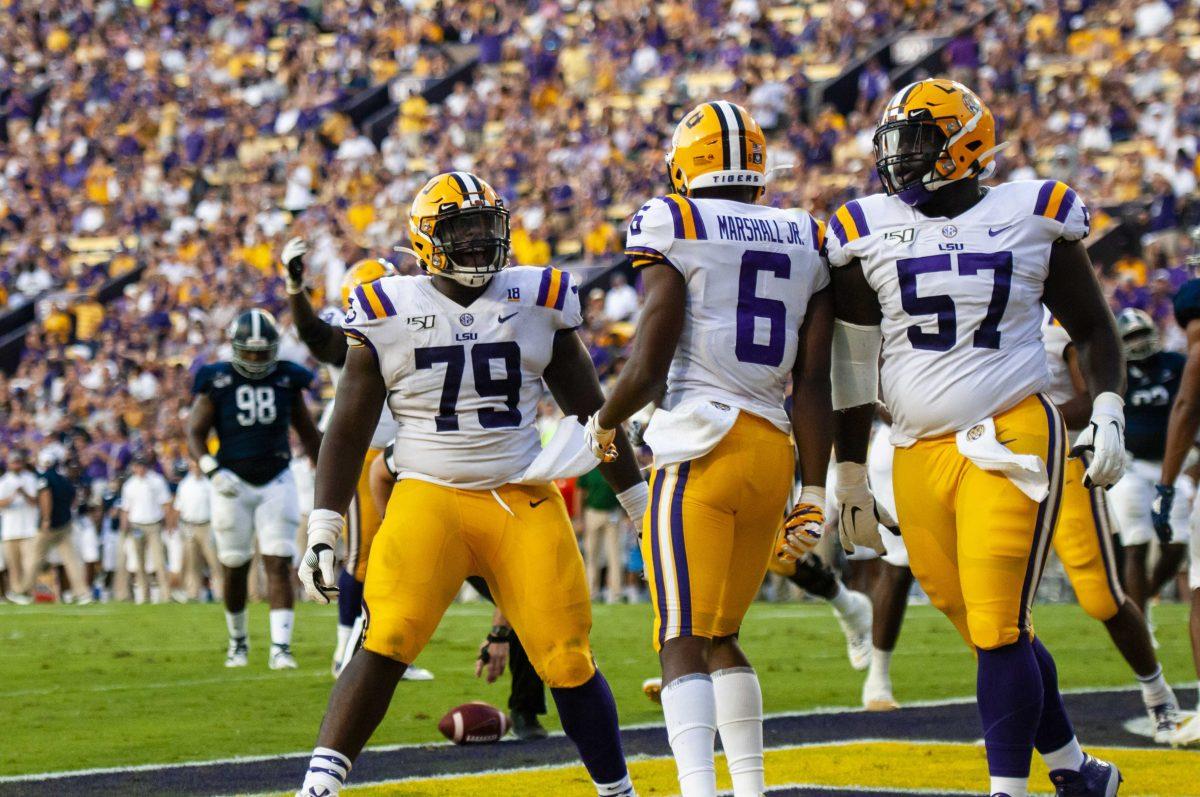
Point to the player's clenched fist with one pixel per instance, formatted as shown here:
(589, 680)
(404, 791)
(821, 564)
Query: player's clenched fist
(316, 568)
(600, 440)
(802, 527)
(861, 515)
(1104, 437)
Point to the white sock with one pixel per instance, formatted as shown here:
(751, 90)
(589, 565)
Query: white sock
(327, 771)
(690, 710)
(343, 636)
(740, 723)
(881, 664)
(1013, 787)
(621, 788)
(281, 626)
(841, 599)
(1069, 756)
(1155, 689)
(236, 623)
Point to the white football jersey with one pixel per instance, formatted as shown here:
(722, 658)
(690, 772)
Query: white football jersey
(464, 382)
(750, 272)
(961, 299)
(385, 430)
(1055, 339)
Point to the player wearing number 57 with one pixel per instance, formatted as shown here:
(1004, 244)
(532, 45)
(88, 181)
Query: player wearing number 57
(459, 355)
(250, 402)
(951, 276)
(737, 301)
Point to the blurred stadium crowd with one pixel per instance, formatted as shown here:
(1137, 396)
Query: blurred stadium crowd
(182, 141)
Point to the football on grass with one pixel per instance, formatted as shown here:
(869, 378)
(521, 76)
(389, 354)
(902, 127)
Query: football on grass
(474, 723)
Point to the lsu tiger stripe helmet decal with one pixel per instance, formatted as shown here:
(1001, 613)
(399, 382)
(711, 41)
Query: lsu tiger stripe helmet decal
(933, 132)
(363, 272)
(717, 144)
(459, 229)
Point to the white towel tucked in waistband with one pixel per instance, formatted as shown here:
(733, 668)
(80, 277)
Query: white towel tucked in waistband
(689, 431)
(566, 455)
(978, 443)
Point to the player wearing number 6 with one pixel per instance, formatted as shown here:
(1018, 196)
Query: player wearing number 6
(736, 303)
(250, 402)
(954, 275)
(459, 354)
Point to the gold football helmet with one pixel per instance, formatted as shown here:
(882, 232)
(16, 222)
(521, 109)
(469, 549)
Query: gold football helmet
(717, 144)
(933, 132)
(459, 229)
(361, 273)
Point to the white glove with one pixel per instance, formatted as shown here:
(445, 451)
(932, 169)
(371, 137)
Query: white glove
(1104, 437)
(600, 440)
(316, 568)
(293, 263)
(225, 483)
(861, 515)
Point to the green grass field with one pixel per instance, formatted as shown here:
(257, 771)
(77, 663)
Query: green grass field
(116, 685)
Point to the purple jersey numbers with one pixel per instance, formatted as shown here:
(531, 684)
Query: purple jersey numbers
(751, 306)
(987, 336)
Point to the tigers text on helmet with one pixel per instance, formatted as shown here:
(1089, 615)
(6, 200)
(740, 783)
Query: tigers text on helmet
(459, 229)
(1139, 335)
(361, 273)
(933, 132)
(718, 144)
(255, 340)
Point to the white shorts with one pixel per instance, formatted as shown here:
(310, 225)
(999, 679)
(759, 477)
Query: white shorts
(879, 475)
(1131, 498)
(1194, 550)
(270, 511)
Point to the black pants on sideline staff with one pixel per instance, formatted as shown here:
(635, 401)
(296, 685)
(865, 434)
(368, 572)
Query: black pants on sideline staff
(528, 694)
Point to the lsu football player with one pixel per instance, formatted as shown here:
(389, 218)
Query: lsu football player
(736, 302)
(322, 334)
(459, 354)
(250, 402)
(1182, 427)
(950, 276)
(1152, 377)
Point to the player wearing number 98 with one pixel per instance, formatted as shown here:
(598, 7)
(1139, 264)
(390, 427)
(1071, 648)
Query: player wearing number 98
(460, 354)
(250, 402)
(737, 302)
(955, 274)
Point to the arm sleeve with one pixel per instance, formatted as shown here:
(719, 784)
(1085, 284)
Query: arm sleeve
(651, 234)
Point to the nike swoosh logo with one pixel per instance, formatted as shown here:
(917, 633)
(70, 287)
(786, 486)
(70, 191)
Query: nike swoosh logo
(504, 318)
(993, 231)
(1006, 442)
(539, 502)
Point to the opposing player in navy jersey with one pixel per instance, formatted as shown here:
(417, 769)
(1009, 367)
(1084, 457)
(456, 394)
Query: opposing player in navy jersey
(1183, 423)
(1152, 378)
(250, 402)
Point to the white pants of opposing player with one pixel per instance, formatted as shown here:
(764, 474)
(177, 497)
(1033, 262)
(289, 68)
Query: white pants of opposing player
(879, 475)
(1194, 550)
(271, 511)
(1131, 498)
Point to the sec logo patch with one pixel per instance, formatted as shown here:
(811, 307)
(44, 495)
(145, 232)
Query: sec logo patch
(949, 231)
(466, 319)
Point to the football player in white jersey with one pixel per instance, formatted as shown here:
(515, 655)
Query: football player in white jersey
(459, 355)
(736, 303)
(1083, 540)
(953, 275)
(322, 334)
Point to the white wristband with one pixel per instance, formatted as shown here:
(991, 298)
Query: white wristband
(634, 501)
(855, 371)
(208, 464)
(324, 525)
(813, 495)
(850, 474)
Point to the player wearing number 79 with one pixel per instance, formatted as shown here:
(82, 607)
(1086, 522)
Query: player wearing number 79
(737, 301)
(953, 275)
(460, 354)
(250, 401)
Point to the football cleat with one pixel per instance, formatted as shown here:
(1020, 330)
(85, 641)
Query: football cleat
(1188, 732)
(652, 689)
(238, 654)
(877, 693)
(1164, 720)
(281, 658)
(856, 625)
(1095, 778)
(416, 674)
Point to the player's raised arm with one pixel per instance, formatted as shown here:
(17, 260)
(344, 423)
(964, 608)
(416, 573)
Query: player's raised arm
(645, 373)
(571, 377)
(360, 395)
(1073, 295)
(325, 341)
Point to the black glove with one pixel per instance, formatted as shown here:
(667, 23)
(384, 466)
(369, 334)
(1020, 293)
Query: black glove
(1160, 512)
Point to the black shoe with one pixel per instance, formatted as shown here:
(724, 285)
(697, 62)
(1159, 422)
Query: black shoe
(526, 727)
